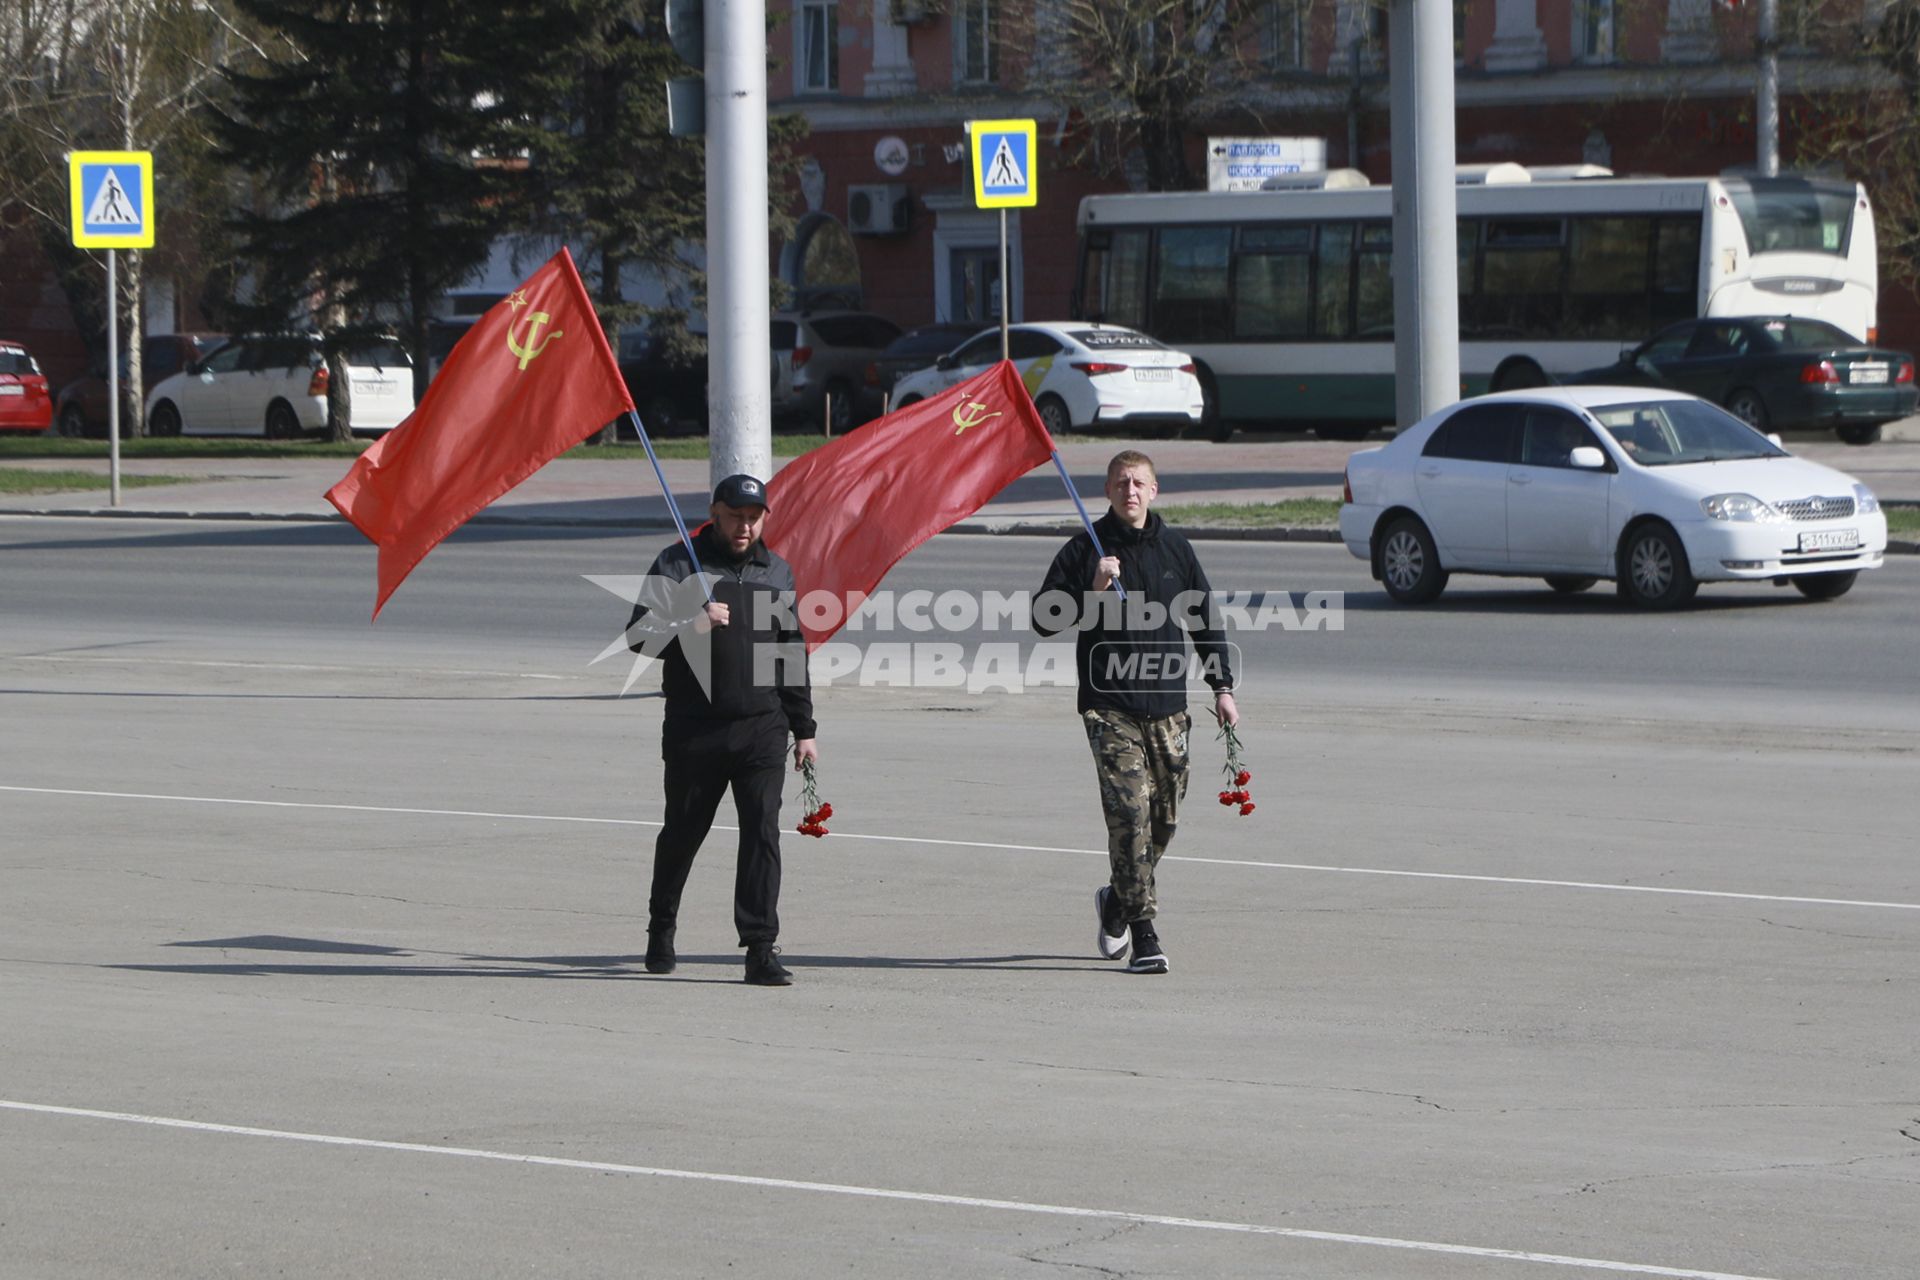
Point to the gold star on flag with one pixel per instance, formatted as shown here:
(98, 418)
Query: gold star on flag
(517, 299)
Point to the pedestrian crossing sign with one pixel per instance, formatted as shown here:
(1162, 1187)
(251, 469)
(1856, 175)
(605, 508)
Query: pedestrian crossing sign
(1003, 156)
(112, 199)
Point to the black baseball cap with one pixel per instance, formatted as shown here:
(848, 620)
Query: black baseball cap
(741, 491)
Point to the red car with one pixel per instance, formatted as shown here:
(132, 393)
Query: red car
(24, 402)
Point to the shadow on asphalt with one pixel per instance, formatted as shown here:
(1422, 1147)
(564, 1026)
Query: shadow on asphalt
(489, 966)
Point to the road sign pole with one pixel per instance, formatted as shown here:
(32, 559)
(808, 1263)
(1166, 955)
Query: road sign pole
(1004, 298)
(113, 381)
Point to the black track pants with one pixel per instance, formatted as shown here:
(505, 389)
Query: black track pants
(704, 758)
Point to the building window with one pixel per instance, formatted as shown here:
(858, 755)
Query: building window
(819, 53)
(1593, 30)
(1283, 36)
(976, 42)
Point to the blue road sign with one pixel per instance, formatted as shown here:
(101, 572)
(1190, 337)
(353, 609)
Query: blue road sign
(1003, 155)
(112, 199)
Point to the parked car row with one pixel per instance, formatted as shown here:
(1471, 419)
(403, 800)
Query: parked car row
(81, 407)
(275, 385)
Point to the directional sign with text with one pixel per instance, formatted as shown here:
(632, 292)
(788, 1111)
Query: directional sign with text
(1003, 159)
(112, 199)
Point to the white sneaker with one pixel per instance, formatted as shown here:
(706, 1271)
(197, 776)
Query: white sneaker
(1113, 945)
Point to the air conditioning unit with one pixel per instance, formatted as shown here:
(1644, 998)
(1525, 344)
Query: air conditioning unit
(879, 209)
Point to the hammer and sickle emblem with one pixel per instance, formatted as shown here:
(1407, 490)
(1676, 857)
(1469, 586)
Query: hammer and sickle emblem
(970, 414)
(532, 348)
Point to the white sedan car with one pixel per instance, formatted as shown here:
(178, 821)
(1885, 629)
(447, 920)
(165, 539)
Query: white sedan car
(1658, 491)
(276, 386)
(1080, 375)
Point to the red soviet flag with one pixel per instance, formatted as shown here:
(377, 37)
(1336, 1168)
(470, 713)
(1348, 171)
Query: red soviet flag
(844, 514)
(531, 379)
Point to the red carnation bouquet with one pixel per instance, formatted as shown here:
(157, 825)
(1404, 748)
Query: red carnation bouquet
(1238, 775)
(818, 811)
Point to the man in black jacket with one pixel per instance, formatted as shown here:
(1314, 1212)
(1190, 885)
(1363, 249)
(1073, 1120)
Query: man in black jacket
(1133, 663)
(736, 685)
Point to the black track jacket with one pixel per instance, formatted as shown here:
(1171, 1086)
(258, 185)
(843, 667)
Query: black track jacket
(1124, 665)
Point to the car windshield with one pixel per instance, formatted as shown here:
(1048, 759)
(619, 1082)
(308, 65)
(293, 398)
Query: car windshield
(1791, 334)
(1114, 340)
(1666, 433)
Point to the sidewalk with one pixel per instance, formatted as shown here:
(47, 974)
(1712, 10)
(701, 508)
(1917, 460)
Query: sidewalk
(622, 492)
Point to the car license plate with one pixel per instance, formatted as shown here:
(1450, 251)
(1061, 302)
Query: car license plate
(1830, 540)
(1867, 373)
(1153, 375)
(11, 389)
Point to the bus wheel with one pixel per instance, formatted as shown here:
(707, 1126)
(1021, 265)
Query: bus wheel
(1212, 426)
(1517, 374)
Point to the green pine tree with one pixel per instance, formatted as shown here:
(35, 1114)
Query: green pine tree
(387, 154)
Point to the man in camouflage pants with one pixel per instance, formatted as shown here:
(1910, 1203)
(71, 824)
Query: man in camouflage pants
(1133, 663)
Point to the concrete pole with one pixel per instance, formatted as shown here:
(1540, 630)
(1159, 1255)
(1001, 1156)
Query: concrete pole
(1426, 299)
(739, 394)
(1766, 103)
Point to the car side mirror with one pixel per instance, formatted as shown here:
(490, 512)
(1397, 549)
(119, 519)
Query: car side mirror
(944, 363)
(1587, 458)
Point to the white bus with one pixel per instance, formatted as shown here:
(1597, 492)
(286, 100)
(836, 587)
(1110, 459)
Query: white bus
(1285, 297)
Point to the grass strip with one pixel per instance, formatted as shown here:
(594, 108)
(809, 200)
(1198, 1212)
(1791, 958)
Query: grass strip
(20, 480)
(1289, 513)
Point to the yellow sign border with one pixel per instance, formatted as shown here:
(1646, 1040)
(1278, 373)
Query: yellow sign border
(977, 131)
(84, 239)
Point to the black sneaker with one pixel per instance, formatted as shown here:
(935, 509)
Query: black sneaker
(1147, 955)
(660, 957)
(1112, 939)
(764, 968)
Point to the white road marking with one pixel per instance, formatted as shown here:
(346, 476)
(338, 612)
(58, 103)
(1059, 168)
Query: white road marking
(1462, 877)
(888, 1193)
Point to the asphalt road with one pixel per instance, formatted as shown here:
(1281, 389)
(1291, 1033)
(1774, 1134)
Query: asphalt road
(1565, 940)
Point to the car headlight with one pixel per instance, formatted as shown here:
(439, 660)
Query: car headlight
(1864, 503)
(1742, 508)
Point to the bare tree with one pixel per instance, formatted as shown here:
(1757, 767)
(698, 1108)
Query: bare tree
(123, 75)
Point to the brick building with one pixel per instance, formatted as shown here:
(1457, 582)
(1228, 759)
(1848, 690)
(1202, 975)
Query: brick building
(1640, 86)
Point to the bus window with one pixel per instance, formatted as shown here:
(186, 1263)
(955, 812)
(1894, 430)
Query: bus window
(1676, 270)
(1466, 236)
(1272, 283)
(1794, 214)
(1114, 278)
(1373, 314)
(1190, 284)
(1607, 278)
(1521, 276)
(1333, 297)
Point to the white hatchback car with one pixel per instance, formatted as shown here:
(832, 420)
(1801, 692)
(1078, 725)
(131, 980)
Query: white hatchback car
(1080, 374)
(276, 386)
(1658, 491)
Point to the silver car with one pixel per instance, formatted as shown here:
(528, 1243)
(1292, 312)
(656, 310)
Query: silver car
(821, 358)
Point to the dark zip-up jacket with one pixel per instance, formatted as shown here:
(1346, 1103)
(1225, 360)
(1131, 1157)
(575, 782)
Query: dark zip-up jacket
(758, 661)
(1116, 672)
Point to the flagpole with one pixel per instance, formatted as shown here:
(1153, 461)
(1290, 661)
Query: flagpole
(1081, 507)
(673, 508)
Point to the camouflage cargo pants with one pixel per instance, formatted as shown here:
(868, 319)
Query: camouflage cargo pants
(1142, 765)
